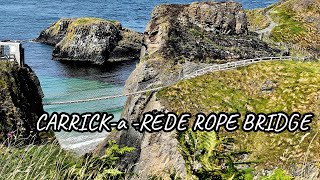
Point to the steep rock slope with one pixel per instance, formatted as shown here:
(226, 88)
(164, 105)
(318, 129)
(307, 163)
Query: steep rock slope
(177, 40)
(91, 40)
(20, 103)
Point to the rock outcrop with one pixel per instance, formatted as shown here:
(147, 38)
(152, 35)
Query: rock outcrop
(20, 104)
(203, 32)
(91, 40)
(177, 40)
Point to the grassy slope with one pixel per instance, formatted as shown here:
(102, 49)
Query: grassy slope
(298, 23)
(81, 22)
(257, 19)
(35, 162)
(5, 78)
(49, 161)
(293, 26)
(296, 88)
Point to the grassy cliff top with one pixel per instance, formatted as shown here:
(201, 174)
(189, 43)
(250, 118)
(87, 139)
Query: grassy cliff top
(298, 24)
(298, 21)
(73, 24)
(83, 21)
(91, 20)
(266, 87)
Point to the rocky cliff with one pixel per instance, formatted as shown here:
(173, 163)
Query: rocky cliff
(177, 40)
(20, 103)
(91, 40)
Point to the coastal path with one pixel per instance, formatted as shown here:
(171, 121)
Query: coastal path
(211, 68)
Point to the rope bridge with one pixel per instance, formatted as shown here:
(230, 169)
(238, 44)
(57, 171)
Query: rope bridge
(212, 68)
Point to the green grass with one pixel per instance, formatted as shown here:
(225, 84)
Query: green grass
(90, 20)
(55, 27)
(295, 87)
(278, 174)
(49, 161)
(75, 24)
(298, 22)
(81, 22)
(257, 19)
(289, 29)
(6, 76)
(35, 162)
(4, 68)
(297, 25)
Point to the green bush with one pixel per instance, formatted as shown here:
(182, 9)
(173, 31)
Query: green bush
(209, 157)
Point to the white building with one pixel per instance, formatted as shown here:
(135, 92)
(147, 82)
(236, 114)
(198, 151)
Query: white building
(12, 51)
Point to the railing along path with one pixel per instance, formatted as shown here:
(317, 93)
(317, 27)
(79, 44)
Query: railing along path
(212, 68)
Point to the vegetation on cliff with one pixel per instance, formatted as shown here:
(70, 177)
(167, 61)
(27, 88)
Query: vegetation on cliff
(257, 19)
(180, 38)
(298, 24)
(217, 33)
(91, 40)
(287, 86)
(55, 28)
(27, 154)
(20, 103)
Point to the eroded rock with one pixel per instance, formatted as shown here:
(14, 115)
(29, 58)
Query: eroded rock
(20, 104)
(91, 40)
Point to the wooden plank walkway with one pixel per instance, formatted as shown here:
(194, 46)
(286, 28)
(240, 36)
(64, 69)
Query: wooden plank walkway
(213, 68)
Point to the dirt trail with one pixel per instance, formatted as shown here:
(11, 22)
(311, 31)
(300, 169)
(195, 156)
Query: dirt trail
(268, 29)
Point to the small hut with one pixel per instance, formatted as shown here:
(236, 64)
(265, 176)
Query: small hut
(12, 51)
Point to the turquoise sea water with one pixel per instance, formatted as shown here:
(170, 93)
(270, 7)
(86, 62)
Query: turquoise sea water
(24, 19)
(65, 82)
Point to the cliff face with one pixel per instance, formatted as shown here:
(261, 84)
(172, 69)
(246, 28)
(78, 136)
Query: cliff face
(91, 40)
(205, 32)
(177, 40)
(20, 103)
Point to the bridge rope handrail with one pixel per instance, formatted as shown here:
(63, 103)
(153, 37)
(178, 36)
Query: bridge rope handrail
(105, 97)
(236, 64)
(213, 68)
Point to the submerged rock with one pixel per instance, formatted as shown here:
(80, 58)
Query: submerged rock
(177, 40)
(20, 104)
(91, 40)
